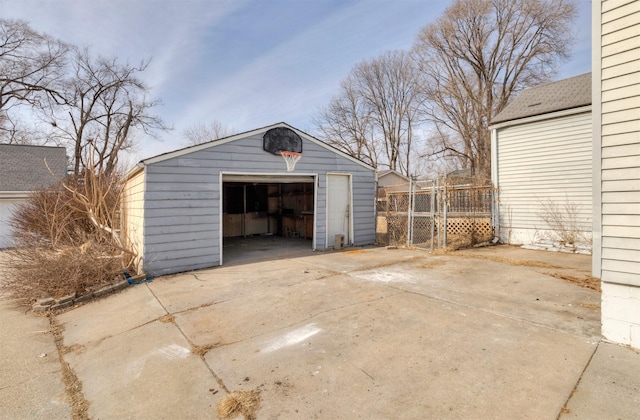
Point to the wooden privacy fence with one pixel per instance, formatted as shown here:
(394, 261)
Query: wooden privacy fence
(425, 214)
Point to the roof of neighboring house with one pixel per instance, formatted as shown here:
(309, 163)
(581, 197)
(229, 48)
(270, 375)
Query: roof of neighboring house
(23, 168)
(389, 172)
(570, 93)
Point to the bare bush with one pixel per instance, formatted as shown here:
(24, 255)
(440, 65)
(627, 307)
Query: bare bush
(43, 271)
(564, 221)
(66, 239)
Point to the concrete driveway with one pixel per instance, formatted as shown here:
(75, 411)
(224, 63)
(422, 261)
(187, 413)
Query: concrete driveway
(366, 333)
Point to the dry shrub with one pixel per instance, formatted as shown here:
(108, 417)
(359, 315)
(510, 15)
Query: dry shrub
(245, 403)
(565, 221)
(460, 242)
(65, 239)
(48, 219)
(38, 272)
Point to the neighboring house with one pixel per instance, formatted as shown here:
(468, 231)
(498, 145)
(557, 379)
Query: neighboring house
(24, 169)
(616, 166)
(391, 179)
(542, 165)
(178, 206)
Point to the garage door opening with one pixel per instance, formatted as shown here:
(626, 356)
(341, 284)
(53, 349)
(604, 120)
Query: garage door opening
(266, 219)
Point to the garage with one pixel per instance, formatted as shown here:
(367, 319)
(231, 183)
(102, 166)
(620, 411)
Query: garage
(182, 209)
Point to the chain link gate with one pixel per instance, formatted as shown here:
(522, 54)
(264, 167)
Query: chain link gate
(425, 214)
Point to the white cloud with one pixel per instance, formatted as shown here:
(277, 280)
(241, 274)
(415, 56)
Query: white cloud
(290, 81)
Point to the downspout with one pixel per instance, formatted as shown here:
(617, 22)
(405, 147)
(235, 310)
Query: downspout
(495, 185)
(376, 197)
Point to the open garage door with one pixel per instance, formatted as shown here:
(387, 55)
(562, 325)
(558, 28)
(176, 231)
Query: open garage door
(265, 215)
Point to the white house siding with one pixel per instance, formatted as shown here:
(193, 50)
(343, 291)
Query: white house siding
(616, 58)
(182, 199)
(7, 206)
(133, 213)
(392, 179)
(539, 161)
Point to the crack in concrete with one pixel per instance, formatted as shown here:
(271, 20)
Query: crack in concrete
(213, 373)
(564, 409)
(366, 373)
(72, 384)
(328, 273)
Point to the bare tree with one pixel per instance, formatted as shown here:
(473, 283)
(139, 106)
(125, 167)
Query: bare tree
(106, 105)
(374, 115)
(388, 85)
(31, 66)
(203, 133)
(476, 56)
(347, 125)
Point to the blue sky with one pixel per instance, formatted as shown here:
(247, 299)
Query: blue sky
(246, 63)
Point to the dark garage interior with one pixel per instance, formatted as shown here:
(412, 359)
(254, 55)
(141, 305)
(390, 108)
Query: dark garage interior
(260, 217)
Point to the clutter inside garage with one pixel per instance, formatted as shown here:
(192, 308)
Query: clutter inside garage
(282, 209)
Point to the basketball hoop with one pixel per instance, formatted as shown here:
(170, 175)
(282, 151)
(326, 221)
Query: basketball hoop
(291, 158)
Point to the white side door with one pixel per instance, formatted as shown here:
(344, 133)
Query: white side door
(338, 207)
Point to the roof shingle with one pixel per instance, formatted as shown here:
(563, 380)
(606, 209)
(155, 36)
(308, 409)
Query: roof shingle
(23, 168)
(564, 94)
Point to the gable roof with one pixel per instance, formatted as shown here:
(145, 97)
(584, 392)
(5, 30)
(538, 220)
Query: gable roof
(570, 93)
(389, 172)
(23, 168)
(218, 142)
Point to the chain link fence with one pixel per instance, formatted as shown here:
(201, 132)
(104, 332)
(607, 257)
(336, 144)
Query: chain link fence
(432, 214)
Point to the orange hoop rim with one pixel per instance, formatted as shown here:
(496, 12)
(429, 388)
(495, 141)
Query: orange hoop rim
(287, 153)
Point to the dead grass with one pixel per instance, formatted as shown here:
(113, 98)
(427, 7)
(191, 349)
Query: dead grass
(511, 261)
(354, 251)
(431, 264)
(202, 350)
(585, 281)
(73, 386)
(244, 403)
(75, 348)
(589, 305)
(167, 319)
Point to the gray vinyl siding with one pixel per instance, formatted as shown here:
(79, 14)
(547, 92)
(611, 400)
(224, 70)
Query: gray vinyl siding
(620, 142)
(364, 207)
(541, 161)
(182, 199)
(181, 216)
